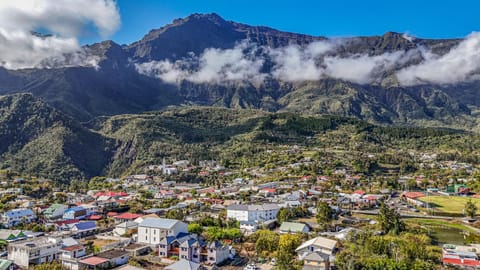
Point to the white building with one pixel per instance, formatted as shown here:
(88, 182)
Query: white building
(15, 216)
(152, 230)
(253, 213)
(34, 251)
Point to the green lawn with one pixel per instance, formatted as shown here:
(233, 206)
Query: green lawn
(449, 204)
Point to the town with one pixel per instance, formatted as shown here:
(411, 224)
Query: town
(231, 219)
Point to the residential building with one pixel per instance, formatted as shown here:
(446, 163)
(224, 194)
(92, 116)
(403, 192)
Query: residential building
(253, 213)
(34, 251)
(105, 260)
(125, 228)
(193, 248)
(152, 230)
(83, 229)
(316, 261)
(294, 227)
(324, 247)
(70, 255)
(55, 211)
(76, 212)
(16, 216)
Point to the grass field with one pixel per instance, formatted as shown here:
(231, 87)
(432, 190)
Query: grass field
(449, 204)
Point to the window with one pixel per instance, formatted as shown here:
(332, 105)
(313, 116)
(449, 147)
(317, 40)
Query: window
(154, 239)
(146, 237)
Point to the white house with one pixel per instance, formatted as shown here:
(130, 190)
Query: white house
(34, 251)
(152, 230)
(55, 211)
(15, 216)
(321, 246)
(253, 213)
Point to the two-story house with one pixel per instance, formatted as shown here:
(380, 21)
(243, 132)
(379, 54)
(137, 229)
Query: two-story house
(55, 211)
(16, 216)
(70, 256)
(152, 230)
(193, 248)
(256, 213)
(318, 252)
(34, 251)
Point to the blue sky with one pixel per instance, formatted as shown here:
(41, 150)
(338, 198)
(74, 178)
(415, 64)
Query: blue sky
(421, 18)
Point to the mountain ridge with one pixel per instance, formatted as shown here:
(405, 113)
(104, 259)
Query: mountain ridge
(116, 86)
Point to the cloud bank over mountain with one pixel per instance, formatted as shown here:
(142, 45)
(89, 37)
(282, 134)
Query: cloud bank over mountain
(61, 22)
(319, 60)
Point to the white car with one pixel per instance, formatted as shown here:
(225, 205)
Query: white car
(251, 266)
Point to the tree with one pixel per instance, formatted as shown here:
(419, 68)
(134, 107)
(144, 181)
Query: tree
(175, 214)
(286, 251)
(470, 209)
(389, 220)
(195, 228)
(266, 242)
(324, 214)
(284, 214)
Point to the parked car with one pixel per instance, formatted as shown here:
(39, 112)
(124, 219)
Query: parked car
(251, 266)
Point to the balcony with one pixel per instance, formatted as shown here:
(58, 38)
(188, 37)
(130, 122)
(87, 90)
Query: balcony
(174, 251)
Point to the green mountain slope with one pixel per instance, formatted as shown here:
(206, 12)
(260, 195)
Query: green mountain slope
(39, 140)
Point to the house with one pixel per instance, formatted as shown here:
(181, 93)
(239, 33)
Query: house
(83, 229)
(248, 226)
(55, 211)
(105, 260)
(142, 218)
(16, 216)
(255, 213)
(152, 230)
(461, 256)
(125, 228)
(135, 249)
(193, 248)
(12, 235)
(294, 227)
(76, 212)
(324, 247)
(126, 217)
(70, 255)
(184, 265)
(34, 251)
(316, 261)
(413, 198)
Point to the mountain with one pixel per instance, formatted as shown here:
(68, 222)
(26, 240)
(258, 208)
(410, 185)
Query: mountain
(115, 86)
(37, 139)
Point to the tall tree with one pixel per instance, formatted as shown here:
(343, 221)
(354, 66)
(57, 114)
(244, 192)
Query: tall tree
(324, 214)
(389, 220)
(284, 214)
(286, 251)
(470, 209)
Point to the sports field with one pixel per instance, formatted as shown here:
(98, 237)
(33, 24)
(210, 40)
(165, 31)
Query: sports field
(450, 204)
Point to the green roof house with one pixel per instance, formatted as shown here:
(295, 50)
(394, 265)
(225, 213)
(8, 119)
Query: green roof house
(294, 227)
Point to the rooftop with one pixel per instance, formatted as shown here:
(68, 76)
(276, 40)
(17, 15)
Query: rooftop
(319, 242)
(111, 254)
(163, 223)
(94, 260)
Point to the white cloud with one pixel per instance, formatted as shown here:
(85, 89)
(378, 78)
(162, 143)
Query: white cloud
(460, 64)
(213, 65)
(65, 20)
(293, 63)
(364, 69)
(320, 60)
